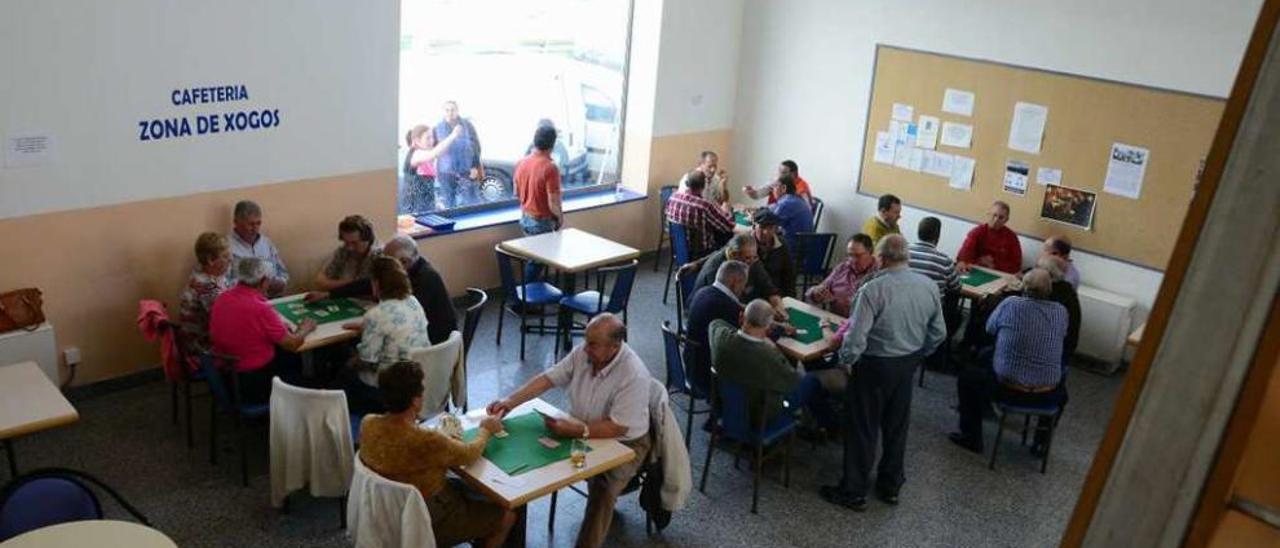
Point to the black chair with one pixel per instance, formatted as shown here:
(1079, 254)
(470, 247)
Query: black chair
(813, 254)
(664, 194)
(187, 377)
(1047, 415)
(49, 496)
(818, 207)
(522, 293)
(678, 377)
(685, 277)
(472, 310)
(733, 422)
(594, 302)
(227, 400)
(679, 253)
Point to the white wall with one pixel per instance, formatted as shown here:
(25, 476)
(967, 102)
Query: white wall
(806, 67)
(698, 66)
(86, 72)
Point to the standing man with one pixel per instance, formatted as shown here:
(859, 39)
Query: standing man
(459, 166)
(247, 240)
(717, 190)
(707, 224)
(608, 390)
(885, 221)
(992, 244)
(538, 186)
(793, 212)
(896, 321)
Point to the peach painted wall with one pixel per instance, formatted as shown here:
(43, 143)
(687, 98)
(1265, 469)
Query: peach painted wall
(670, 157)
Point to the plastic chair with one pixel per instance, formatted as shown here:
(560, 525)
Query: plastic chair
(386, 513)
(311, 444)
(813, 252)
(473, 310)
(678, 378)
(818, 206)
(685, 278)
(679, 253)
(522, 292)
(49, 496)
(734, 423)
(1048, 413)
(664, 194)
(439, 365)
(227, 400)
(594, 302)
(184, 380)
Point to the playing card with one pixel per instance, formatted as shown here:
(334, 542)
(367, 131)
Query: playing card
(320, 313)
(501, 434)
(548, 442)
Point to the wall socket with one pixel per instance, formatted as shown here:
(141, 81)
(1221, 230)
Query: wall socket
(71, 355)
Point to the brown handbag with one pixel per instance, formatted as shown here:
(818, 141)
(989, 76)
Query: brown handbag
(21, 309)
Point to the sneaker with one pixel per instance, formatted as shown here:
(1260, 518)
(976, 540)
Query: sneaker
(887, 497)
(967, 444)
(837, 496)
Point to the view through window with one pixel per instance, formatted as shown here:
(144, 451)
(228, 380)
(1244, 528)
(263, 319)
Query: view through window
(478, 77)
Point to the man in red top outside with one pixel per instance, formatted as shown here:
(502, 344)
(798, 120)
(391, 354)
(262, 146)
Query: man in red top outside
(537, 183)
(243, 324)
(992, 244)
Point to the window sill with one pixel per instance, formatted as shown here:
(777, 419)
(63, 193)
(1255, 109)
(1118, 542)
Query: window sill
(510, 215)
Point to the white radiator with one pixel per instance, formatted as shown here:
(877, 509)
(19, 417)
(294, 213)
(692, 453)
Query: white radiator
(1106, 320)
(31, 346)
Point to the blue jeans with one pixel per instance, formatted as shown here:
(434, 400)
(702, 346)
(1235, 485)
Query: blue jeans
(532, 227)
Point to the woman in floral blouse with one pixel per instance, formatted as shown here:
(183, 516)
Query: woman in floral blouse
(208, 280)
(389, 332)
(843, 283)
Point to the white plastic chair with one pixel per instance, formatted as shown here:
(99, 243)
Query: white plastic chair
(444, 375)
(310, 442)
(386, 514)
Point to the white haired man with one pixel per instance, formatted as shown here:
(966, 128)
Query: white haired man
(247, 240)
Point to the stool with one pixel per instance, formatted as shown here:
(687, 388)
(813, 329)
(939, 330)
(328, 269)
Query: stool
(1004, 410)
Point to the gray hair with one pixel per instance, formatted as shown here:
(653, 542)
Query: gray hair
(730, 272)
(246, 208)
(401, 247)
(892, 249)
(251, 271)
(759, 313)
(739, 241)
(1037, 283)
(1055, 266)
(617, 331)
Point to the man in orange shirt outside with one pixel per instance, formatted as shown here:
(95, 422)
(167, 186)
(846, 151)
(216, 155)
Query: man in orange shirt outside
(772, 190)
(537, 182)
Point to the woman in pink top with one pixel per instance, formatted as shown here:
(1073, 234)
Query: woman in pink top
(420, 167)
(843, 282)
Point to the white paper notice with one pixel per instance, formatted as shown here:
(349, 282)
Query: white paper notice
(1049, 176)
(903, 113)
(895, 129)
(927, 132)
(916, 161)
(27, 150)
(885, 147)
(1015, 177)
(938, 163)
(957, 135)
(1126, 169)
(958, 101)
(902, 156)
(961, 172)
(1027, 129)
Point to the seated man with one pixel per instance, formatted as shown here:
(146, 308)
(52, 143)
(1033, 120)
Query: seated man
(706, 224)
(843, 282)
(353, 259)
(717, 190)
(771, 190)
(394, 446)
(428, 288)
(718, 301)
(748, 357)
(389, 332)
(1060, 247)
(1064, 294)
(244, 325)
(776, 257)
(992, 244)
(794, 214)
(885, 221)
(1026, 367)
(247, 240)
(608, 389)
(742, 247)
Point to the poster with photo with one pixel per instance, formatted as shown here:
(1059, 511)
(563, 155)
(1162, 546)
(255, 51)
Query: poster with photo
(1070, 206)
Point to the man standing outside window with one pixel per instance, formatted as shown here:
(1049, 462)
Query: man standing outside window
(537, 182)
(460, 165)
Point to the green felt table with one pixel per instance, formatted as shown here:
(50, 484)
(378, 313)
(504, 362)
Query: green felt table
(804, 321)
(977, 278)
(742, 218)
(323, 311)
(520, 451)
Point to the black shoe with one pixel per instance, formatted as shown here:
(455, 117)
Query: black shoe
(886, 497)
(837, 496)
(1039, 450)
(966, 443)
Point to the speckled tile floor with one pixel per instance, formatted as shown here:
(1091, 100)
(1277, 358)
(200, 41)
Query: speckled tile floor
(950, 498)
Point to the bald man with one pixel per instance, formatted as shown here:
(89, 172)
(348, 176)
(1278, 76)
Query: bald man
(608, 389)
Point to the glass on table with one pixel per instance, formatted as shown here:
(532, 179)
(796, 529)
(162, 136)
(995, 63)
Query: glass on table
(578, 453)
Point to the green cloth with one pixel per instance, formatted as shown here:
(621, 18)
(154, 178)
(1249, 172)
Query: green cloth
(324, 311)
(742, 218)
(977, 277)
(810, 324)
(520, 451)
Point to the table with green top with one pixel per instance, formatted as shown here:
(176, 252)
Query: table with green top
(980, 282)
(322, 311)
(813, 325)
(742, 218)
(520, 451)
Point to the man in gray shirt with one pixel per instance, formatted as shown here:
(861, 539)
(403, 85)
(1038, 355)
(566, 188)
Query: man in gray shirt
(896, 322)
(247, 240)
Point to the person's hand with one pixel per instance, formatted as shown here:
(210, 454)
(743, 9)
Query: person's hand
(987, 261)
(276, 286)
(358, 327)
(313, 296)
(492, 424)
(833, 343)
(751, 192)
(723, 175)
(306, 327)
(499, 408)
(476, 174)
(963, 267)
(817, 294)
(456, 132)
(788, 329)
(564, 428)
(780, 314)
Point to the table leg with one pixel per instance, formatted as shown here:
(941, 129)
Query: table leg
(570, 283)
(308, 365)
(516, 538)
(13, 463)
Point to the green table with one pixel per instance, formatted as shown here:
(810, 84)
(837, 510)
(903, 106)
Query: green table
(742, 218)
(977, 278)
(520, 451)
(323, 311)
(804, 321)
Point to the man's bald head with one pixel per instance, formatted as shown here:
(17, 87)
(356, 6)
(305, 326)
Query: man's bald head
(605, 334)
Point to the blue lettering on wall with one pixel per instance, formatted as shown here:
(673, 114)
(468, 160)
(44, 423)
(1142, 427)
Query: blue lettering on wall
(207, 124)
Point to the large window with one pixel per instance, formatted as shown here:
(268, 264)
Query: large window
(477, 78)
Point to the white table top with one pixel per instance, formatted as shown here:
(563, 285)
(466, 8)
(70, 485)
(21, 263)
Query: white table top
(570, 250)
(29, 402)
(325, 333)
(816, 349)
(516, 491)
(101, 533)
(993, 286)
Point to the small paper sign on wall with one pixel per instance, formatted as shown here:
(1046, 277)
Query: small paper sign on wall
(27, 150)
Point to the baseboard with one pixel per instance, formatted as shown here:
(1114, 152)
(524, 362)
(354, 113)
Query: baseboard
(112, 385)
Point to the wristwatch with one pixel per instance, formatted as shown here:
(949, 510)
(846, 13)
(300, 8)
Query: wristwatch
(586, 431)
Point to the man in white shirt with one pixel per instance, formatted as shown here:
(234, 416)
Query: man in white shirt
(247, 240)
(608, 390)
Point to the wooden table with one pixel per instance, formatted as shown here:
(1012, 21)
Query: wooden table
(1136, 336)
(514, 492)
(570, 250)
(29, 403)
(325, 334)
(100, 533)
(993, 286)
(806, 352)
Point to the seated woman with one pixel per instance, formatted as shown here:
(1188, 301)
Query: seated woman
(208, 279)
(396, 448)
(389, 332)
(845, 279)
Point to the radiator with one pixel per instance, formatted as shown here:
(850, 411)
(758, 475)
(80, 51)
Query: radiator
(31, 346)
(1106, 320)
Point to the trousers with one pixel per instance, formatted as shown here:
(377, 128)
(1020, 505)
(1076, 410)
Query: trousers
(878, 405)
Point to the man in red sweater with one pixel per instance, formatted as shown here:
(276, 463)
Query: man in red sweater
(992, 244)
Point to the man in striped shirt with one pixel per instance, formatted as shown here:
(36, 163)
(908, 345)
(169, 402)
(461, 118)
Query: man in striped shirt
(937, 266)
(708, 225)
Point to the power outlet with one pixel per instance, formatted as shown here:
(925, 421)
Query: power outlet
(71, 355)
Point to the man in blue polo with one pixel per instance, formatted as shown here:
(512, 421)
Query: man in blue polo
(458, 168)
(793, 212)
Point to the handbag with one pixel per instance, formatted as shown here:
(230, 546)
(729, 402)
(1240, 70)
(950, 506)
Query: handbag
(21, 309)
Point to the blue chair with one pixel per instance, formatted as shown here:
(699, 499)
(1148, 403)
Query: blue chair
(594, 302)
(664, 194)
(818, 207)
(678, 379)
(679, 253)
(813, 254)
(523, 293)
(685, 277)
(733, 422)
(49, 496)
(226, 399)
(1048, 414)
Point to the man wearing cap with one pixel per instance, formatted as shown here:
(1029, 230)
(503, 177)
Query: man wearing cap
(741, 247)
(774, 255)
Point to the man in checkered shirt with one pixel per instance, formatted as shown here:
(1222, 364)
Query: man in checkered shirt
(708, 225)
